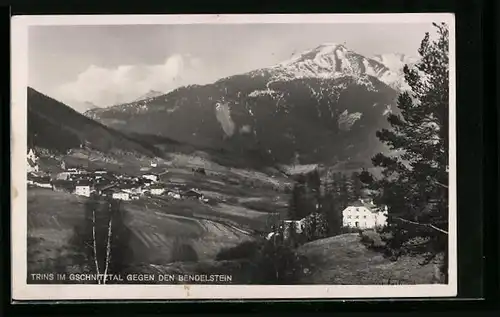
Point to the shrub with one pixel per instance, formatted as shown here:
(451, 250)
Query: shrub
(232, 200)
(386, 236)
(372, 239)
(270, 263)
(212, 202)
(316, 226)
(244, 250)
(349, 230)
(278, 264)
(183, 252)
(287, 190)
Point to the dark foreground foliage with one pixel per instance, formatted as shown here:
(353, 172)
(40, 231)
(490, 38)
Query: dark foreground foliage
(269, 262)
(414, 183)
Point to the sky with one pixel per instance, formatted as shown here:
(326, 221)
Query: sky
(113, 64)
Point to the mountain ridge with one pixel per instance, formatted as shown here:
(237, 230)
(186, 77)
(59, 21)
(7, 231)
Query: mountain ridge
(316, 106)
(57, 127)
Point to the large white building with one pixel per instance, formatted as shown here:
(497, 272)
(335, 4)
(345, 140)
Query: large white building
(156, 190)
(174, 195)
(151, 177)
(121, 195)
(82, 190)
(364, 214)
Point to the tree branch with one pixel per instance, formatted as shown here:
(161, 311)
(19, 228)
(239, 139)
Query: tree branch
(95, 245)
(440, 184)
(422, 224)
(108, 245)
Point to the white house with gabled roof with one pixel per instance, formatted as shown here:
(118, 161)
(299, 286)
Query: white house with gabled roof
(82, 190)
(121, 195)
(151, 177)
(364, 214)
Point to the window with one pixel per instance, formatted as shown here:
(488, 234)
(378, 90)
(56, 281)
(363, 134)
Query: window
(364, 216)
(349, 217)
(357, 217)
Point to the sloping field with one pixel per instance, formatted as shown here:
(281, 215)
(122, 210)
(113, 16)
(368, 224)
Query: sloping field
(51, 218)
(159, 228)
(344, 260)
(158, 236)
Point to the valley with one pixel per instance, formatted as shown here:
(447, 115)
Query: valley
(238, 144)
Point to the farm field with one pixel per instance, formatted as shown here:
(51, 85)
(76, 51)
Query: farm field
(159, 225)
(51, 219)
(159, 228)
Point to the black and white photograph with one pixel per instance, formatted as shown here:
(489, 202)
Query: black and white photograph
(233, 156)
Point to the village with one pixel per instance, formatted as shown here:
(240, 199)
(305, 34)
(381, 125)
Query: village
(360, 214)
(99, 182)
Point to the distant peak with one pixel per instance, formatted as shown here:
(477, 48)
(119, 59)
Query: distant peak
(331, 44)
(324, 49)
(150, 94)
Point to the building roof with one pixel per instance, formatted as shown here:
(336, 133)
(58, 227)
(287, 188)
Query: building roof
(83, 182)
(192, 191)
(60, 183)
(105, 185)
(363, 203)
(41, 178)
(116, 191)
(157, 186)
(149, 174)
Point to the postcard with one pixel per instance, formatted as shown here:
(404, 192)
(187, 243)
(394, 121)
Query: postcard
(262, 156)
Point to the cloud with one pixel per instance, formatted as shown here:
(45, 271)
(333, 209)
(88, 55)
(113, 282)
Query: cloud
(110, 86)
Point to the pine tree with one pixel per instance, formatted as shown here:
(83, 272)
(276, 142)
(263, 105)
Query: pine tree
(331, 207)
(357, 186)
(314, 182)
(121, 252)
(344, 188)
(296, 206)
(414, 182)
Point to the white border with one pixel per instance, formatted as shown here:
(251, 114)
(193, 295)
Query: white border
(22, 291)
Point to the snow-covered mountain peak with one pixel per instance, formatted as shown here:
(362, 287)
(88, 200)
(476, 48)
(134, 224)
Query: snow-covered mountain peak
(332, 60)
(323, 51)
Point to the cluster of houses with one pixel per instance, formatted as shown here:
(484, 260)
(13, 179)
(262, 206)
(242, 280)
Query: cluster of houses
(104, 183)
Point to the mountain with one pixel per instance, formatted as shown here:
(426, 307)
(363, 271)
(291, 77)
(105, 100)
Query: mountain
(149, 95)
(322, 106)
(57, 127)
(334, 60)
